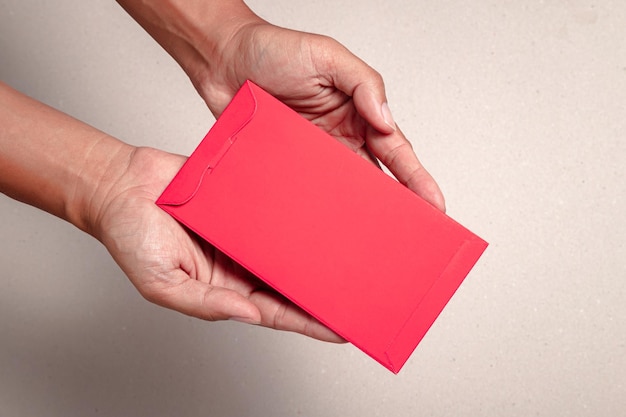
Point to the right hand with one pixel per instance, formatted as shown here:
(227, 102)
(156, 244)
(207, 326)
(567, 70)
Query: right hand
(324, 82)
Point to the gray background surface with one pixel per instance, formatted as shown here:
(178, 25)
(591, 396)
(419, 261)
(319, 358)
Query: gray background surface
(516, 107)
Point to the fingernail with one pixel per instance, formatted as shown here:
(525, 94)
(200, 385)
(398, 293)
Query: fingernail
(387, 116)
(247, 320)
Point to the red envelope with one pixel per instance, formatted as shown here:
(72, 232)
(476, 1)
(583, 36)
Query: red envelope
(322, 226)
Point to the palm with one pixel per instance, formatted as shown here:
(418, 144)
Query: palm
(287, 65)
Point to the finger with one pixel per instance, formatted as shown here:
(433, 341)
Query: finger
(384, 139)
(397, 154)
(279, 313)
(202, 300)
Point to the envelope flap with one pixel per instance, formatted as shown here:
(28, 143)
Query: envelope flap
(214, 145)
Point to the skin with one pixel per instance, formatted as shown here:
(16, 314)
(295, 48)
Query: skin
(107, 188)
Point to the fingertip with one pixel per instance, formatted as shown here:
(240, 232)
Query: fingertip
(432, 193)
(387, 117)
(435, 197)
(327, 335)
(245, 311)
(440, 202)
(317, 330)
(234, 306)
(247, 320)
(424, 185)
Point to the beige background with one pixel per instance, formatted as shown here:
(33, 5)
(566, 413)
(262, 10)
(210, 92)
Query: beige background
(518, 109)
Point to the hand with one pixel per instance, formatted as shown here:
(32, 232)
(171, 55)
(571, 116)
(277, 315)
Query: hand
(324, 82)
(171, 267)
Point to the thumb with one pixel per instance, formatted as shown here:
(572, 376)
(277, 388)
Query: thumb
(371, 102)
(367, 89)
(202, 300)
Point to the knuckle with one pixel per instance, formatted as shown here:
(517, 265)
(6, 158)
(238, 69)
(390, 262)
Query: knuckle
(279, 316)
(392, 157)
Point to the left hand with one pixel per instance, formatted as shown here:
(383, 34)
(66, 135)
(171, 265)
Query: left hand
(172, 268)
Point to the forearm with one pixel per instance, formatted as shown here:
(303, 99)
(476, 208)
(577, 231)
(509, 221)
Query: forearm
(55, 162)
(194, 32)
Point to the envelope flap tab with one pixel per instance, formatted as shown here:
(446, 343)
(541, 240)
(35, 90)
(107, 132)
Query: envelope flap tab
(214, 145)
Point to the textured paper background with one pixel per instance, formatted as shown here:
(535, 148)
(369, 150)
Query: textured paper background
(517, 108)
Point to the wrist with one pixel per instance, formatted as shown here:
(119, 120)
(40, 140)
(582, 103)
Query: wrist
(103, 168)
